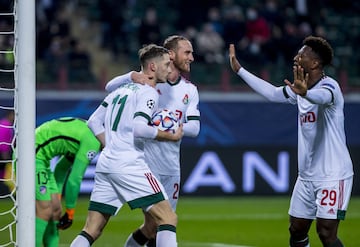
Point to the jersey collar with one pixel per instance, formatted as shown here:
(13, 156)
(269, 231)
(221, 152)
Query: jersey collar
(174, 83)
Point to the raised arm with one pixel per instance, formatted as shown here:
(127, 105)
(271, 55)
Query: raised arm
(266, 89)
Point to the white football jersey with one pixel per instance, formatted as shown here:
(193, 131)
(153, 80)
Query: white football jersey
(122, 150)
(182, 98)
(322, 150)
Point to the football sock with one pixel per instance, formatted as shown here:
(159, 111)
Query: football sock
(166, 236)
(136, 239)
(51, 235)
(337, 243)
(299, 243)
(40, 228)
(83, 240)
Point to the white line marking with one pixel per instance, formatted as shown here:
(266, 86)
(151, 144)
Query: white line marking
(197, 244)
(189, 244)
(212, 217)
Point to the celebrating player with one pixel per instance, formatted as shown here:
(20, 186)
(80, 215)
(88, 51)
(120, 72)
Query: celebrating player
(181, 97)
(121, 123)
(73, 142)
(325, 171)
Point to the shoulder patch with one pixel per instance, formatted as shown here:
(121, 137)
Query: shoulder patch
(91, 155)
(150, 104)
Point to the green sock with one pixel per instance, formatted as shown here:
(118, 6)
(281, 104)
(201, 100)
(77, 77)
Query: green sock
(51, 236)
(40, 230)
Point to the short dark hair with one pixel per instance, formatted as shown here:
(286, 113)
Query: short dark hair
(151, 51)
(321, 47)
(171, 42)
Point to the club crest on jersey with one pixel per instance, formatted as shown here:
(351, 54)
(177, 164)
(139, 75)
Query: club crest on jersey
(186, 99)
(91, 154)
(42, 189)
(150, 104)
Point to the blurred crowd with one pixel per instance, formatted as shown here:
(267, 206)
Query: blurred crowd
(265, 32)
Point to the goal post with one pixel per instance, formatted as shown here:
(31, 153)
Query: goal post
(25, 98)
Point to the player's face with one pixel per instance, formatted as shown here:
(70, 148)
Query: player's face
(163, 68)
(183, 56)
(306, 58)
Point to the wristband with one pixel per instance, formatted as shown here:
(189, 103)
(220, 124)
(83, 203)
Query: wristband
(70, 213)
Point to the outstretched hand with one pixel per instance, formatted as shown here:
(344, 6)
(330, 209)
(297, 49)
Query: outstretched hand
(300, 81)
(234, 63)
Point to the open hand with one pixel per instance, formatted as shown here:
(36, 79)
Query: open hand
(234, 63)
(300, 81)
(179, 133)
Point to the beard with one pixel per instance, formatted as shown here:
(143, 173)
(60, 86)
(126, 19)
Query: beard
(181, 66)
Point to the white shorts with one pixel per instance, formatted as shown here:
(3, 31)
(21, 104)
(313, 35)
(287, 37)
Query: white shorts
(172, 188)
(325, 199)
(139, 189)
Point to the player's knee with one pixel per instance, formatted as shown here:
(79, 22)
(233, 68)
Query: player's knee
(326, 235)
(57, 213)
(298, 238)
(295, 231)
(299, 227)
(327, 232)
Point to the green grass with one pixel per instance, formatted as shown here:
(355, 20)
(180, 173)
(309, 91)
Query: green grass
(218, 222)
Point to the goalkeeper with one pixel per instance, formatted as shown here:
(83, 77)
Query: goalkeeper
(72, 141)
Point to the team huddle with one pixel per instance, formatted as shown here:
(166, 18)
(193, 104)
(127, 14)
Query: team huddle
(129, 170)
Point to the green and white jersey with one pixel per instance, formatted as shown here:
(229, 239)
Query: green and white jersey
(119, 112)
(182, 98)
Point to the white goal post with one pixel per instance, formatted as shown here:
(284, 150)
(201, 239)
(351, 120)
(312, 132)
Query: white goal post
(25, 98)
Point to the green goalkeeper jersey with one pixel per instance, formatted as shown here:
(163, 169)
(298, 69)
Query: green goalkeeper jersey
(68, 138)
